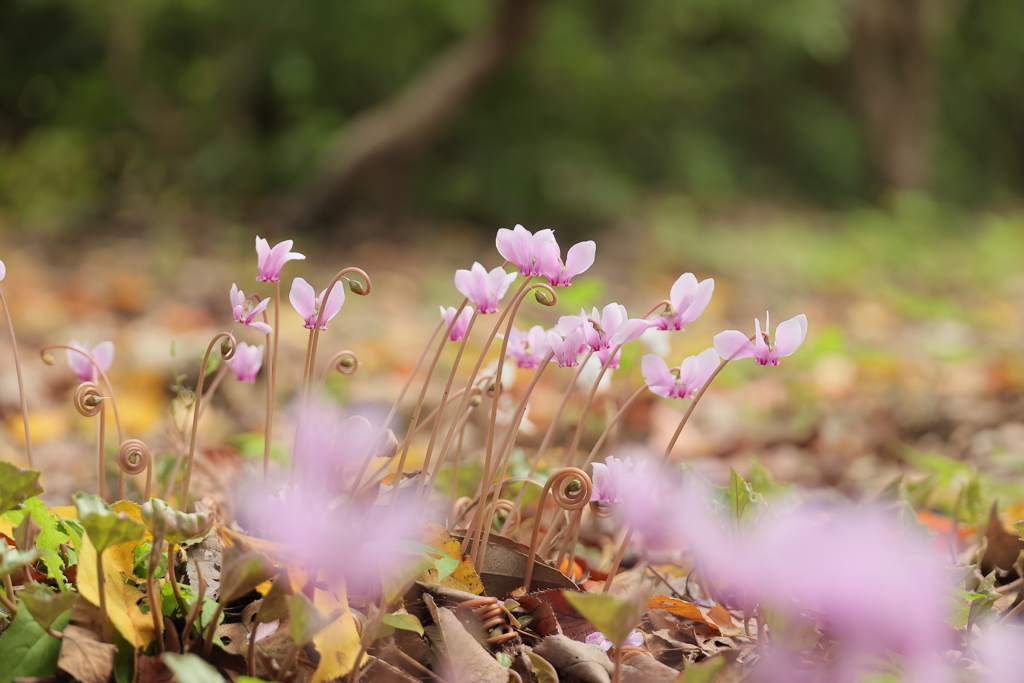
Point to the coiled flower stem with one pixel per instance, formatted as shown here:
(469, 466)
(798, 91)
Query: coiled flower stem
(567, 497)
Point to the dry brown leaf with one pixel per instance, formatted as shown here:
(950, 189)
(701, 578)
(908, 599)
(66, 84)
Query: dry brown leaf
(589, 663)
(83, 656)
(1003, 547)
(644, 669)
(504, 567)
(465, 656)
(684, 609)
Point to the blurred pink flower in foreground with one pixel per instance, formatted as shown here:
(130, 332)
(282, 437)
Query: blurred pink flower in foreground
(733, 344)
(458, 332)
(634, 639)
(102, 353)
(484, 289)
(528, 348)
(609, 477)
(246, 362)
(523, 249)
(693, 374)
(874, 586)
(307, 305)
(566, 351)
(578, 260)
(269, 261)
(245, 311)
(689, 299)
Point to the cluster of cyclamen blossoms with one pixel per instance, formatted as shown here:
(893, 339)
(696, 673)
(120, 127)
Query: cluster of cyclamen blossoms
(605, 332)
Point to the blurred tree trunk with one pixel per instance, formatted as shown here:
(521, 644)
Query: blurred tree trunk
(894, 77)
(376, 146)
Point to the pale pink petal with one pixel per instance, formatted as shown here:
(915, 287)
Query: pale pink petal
(657, 375)
(260, 307)
(303, 298)
(707, 361)
(103, 353)
(570, 323)
(631, 331)
(683, 291)
(3, 270)
(78, 362)
(334, 302)
(237, 296)
(239, 313)
(262, 250)
(580, 258)
(481, 294)
(733, 344)
(464, 282)
(261, 327)
(789, 335)
(700, 301)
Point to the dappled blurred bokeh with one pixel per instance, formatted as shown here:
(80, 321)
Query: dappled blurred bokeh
(859, 161)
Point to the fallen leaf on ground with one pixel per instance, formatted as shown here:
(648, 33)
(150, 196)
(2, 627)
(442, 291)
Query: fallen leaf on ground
(84, 657)
(338, 643)
(588, 663)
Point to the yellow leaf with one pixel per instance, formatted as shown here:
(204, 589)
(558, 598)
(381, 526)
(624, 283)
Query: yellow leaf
(464, 577)
(338, 644)
(122, 598)
(45, 425)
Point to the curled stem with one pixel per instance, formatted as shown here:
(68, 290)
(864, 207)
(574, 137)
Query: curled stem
(565, 498)
(346, 362)
(362, 291)
(44, 353)
(21, 383)
(228, 346)
(89, 403)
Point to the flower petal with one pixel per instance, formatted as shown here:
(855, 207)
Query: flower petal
(733, 345)
(700, 301)
(302, 298)
(656, 374)
(790, 335)
(683, 291)
(334, 302)
(103, 353)
(580, 258)
(237, 296)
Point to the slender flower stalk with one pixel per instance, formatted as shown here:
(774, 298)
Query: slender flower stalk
(570, 453)
(89, 403)
(566, 497)
(268, 427)
(502, 463)
(17, 368)
(228, 346)
(356, 287)
(611, 425)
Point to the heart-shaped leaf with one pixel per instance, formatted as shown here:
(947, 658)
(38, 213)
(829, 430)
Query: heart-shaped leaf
(17, 485)
(27, 650)
(104, 526)
(306, 620)
(173, 525)
(45, 605)
(242, 572)
(613, 616)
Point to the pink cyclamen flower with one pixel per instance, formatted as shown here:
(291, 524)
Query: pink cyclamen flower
(246, 362)
(528, 348)
(524, 249)
(307, 305)
(484, 289)
(567, 350)
(458, 332)
(578, 260)
(689, 299)
(609, 478)
(102, 353)
(733, 344)
(570, 323)
(3, 270)
(634, 639)
(245, 311)
(693, 373)
(269, 261)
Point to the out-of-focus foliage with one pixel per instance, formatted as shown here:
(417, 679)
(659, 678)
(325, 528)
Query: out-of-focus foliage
(131, 103)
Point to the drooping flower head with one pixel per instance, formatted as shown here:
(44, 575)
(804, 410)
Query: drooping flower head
(524, 249)
(733, 344)
(270, 261)
(307, 305)
(578, 260)
(610, 477)
(689, 299)
(484, 289)
(528, 348)
(458, 332)
(567, 324)
(692, 374)
(102, 353)
(245, 311)
(566, 350)
(246, 362)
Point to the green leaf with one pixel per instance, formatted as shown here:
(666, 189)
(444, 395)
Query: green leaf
(191, 668)
(503, 659)
(174, 526)
(142, 553)
(104, 526)
(306, 620)
(762, 481)
(275, 602)
(704, 672)
(45, 605)
(12, 560)
(50, 537)
(613, 616)
(242, 572)
(745, 504)
(17, 485)
(27, 650)
(545, 672)
(404, 622)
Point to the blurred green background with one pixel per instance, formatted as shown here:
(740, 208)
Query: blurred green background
(554, 113)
